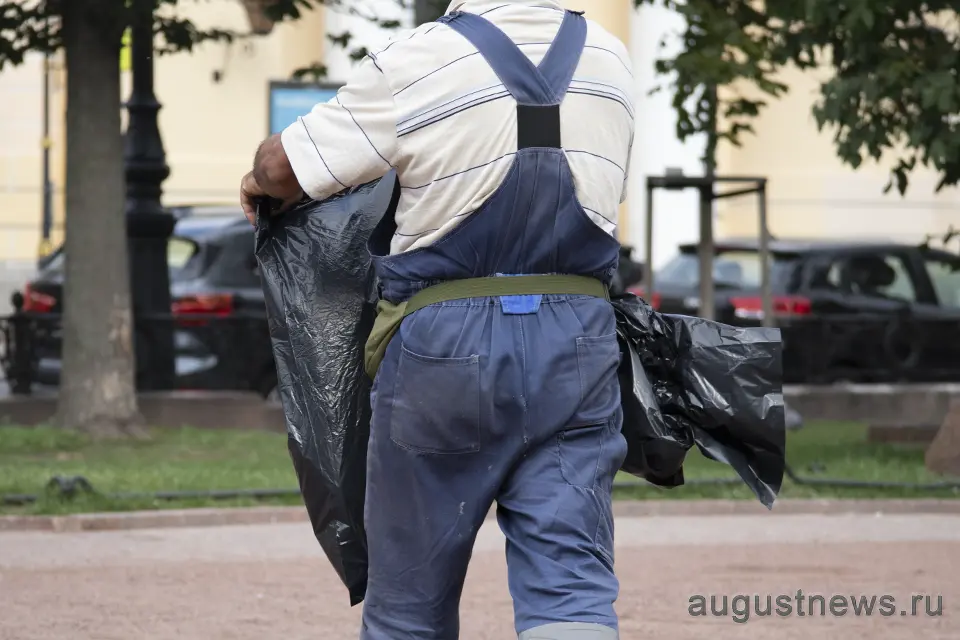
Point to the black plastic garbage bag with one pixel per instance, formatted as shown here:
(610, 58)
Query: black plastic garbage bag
(688, 381)
(685, 382)
(318, 283)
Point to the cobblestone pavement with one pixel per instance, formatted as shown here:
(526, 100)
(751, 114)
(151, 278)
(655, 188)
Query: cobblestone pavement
(269, 582)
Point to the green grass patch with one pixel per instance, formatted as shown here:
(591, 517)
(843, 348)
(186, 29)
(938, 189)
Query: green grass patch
(821, 450)
(171, 461)
(202, 460)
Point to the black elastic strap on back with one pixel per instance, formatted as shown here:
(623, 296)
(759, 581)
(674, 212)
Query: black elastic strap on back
(538, 126)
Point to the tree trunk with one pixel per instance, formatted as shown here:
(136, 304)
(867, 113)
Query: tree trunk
(429, 10)
(97, 389)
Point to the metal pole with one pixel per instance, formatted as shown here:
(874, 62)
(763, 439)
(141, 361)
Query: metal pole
(766, 292)
(149, 226)
(705, 250)
(708, 307)
(47, 213)
(18, 336)
(648, 282)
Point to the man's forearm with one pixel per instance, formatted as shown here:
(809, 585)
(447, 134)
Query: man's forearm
(272, 170)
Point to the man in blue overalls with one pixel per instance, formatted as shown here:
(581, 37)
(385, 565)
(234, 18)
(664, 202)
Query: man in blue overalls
(500, 385)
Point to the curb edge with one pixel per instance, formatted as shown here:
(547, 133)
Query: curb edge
(213, 517)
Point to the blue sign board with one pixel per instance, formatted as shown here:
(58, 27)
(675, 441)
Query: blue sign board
(290, 100)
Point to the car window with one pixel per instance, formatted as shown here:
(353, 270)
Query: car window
(732, 269)
(179, 252)
(945, 275)
(183, 258)
(53, 263)
(872, 275)
(236, 264)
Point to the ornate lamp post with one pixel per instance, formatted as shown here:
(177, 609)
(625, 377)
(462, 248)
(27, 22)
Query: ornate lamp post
(149, 226)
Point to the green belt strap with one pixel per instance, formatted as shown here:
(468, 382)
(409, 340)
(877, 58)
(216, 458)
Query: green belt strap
(389, 315)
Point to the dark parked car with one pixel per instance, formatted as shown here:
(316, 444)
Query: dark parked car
(221, 339)
(213, 272)
(629, 272)
(859, 311)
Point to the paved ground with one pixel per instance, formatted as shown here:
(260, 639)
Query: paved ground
(266, 582)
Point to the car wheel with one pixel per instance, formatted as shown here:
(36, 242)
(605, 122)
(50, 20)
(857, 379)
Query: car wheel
(903, 347)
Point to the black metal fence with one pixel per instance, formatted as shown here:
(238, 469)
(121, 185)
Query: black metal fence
(208, 351)
(233, 352)
(868, 348)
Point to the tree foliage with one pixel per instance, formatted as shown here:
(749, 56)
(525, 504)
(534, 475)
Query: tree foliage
(894, 89)
(34, 25)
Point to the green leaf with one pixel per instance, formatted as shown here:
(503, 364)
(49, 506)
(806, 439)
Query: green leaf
(902, 180)
(894, 77)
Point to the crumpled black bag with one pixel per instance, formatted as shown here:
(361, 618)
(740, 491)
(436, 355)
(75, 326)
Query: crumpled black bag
(318, 283)
(685, 382)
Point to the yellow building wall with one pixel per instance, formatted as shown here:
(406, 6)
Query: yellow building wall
(21, 153)
(811, 193)
(612, 15)
(210, 128)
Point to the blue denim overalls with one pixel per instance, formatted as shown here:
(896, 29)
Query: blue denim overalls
(512, 400)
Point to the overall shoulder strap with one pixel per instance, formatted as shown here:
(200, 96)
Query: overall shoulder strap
(520, 76)
(538, 90)
(561, 61)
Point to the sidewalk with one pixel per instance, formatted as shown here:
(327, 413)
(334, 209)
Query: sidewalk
(251, 582)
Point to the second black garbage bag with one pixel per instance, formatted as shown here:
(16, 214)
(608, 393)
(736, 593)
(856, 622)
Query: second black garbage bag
(685, 382)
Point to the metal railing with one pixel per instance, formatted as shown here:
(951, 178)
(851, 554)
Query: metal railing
(877, 348)
(210, 352)
(870, 348)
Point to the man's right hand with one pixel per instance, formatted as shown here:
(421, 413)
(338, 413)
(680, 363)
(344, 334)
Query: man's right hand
(252, 195)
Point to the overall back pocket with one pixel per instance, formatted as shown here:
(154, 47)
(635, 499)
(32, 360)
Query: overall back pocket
(436, 404)
(598, 358)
